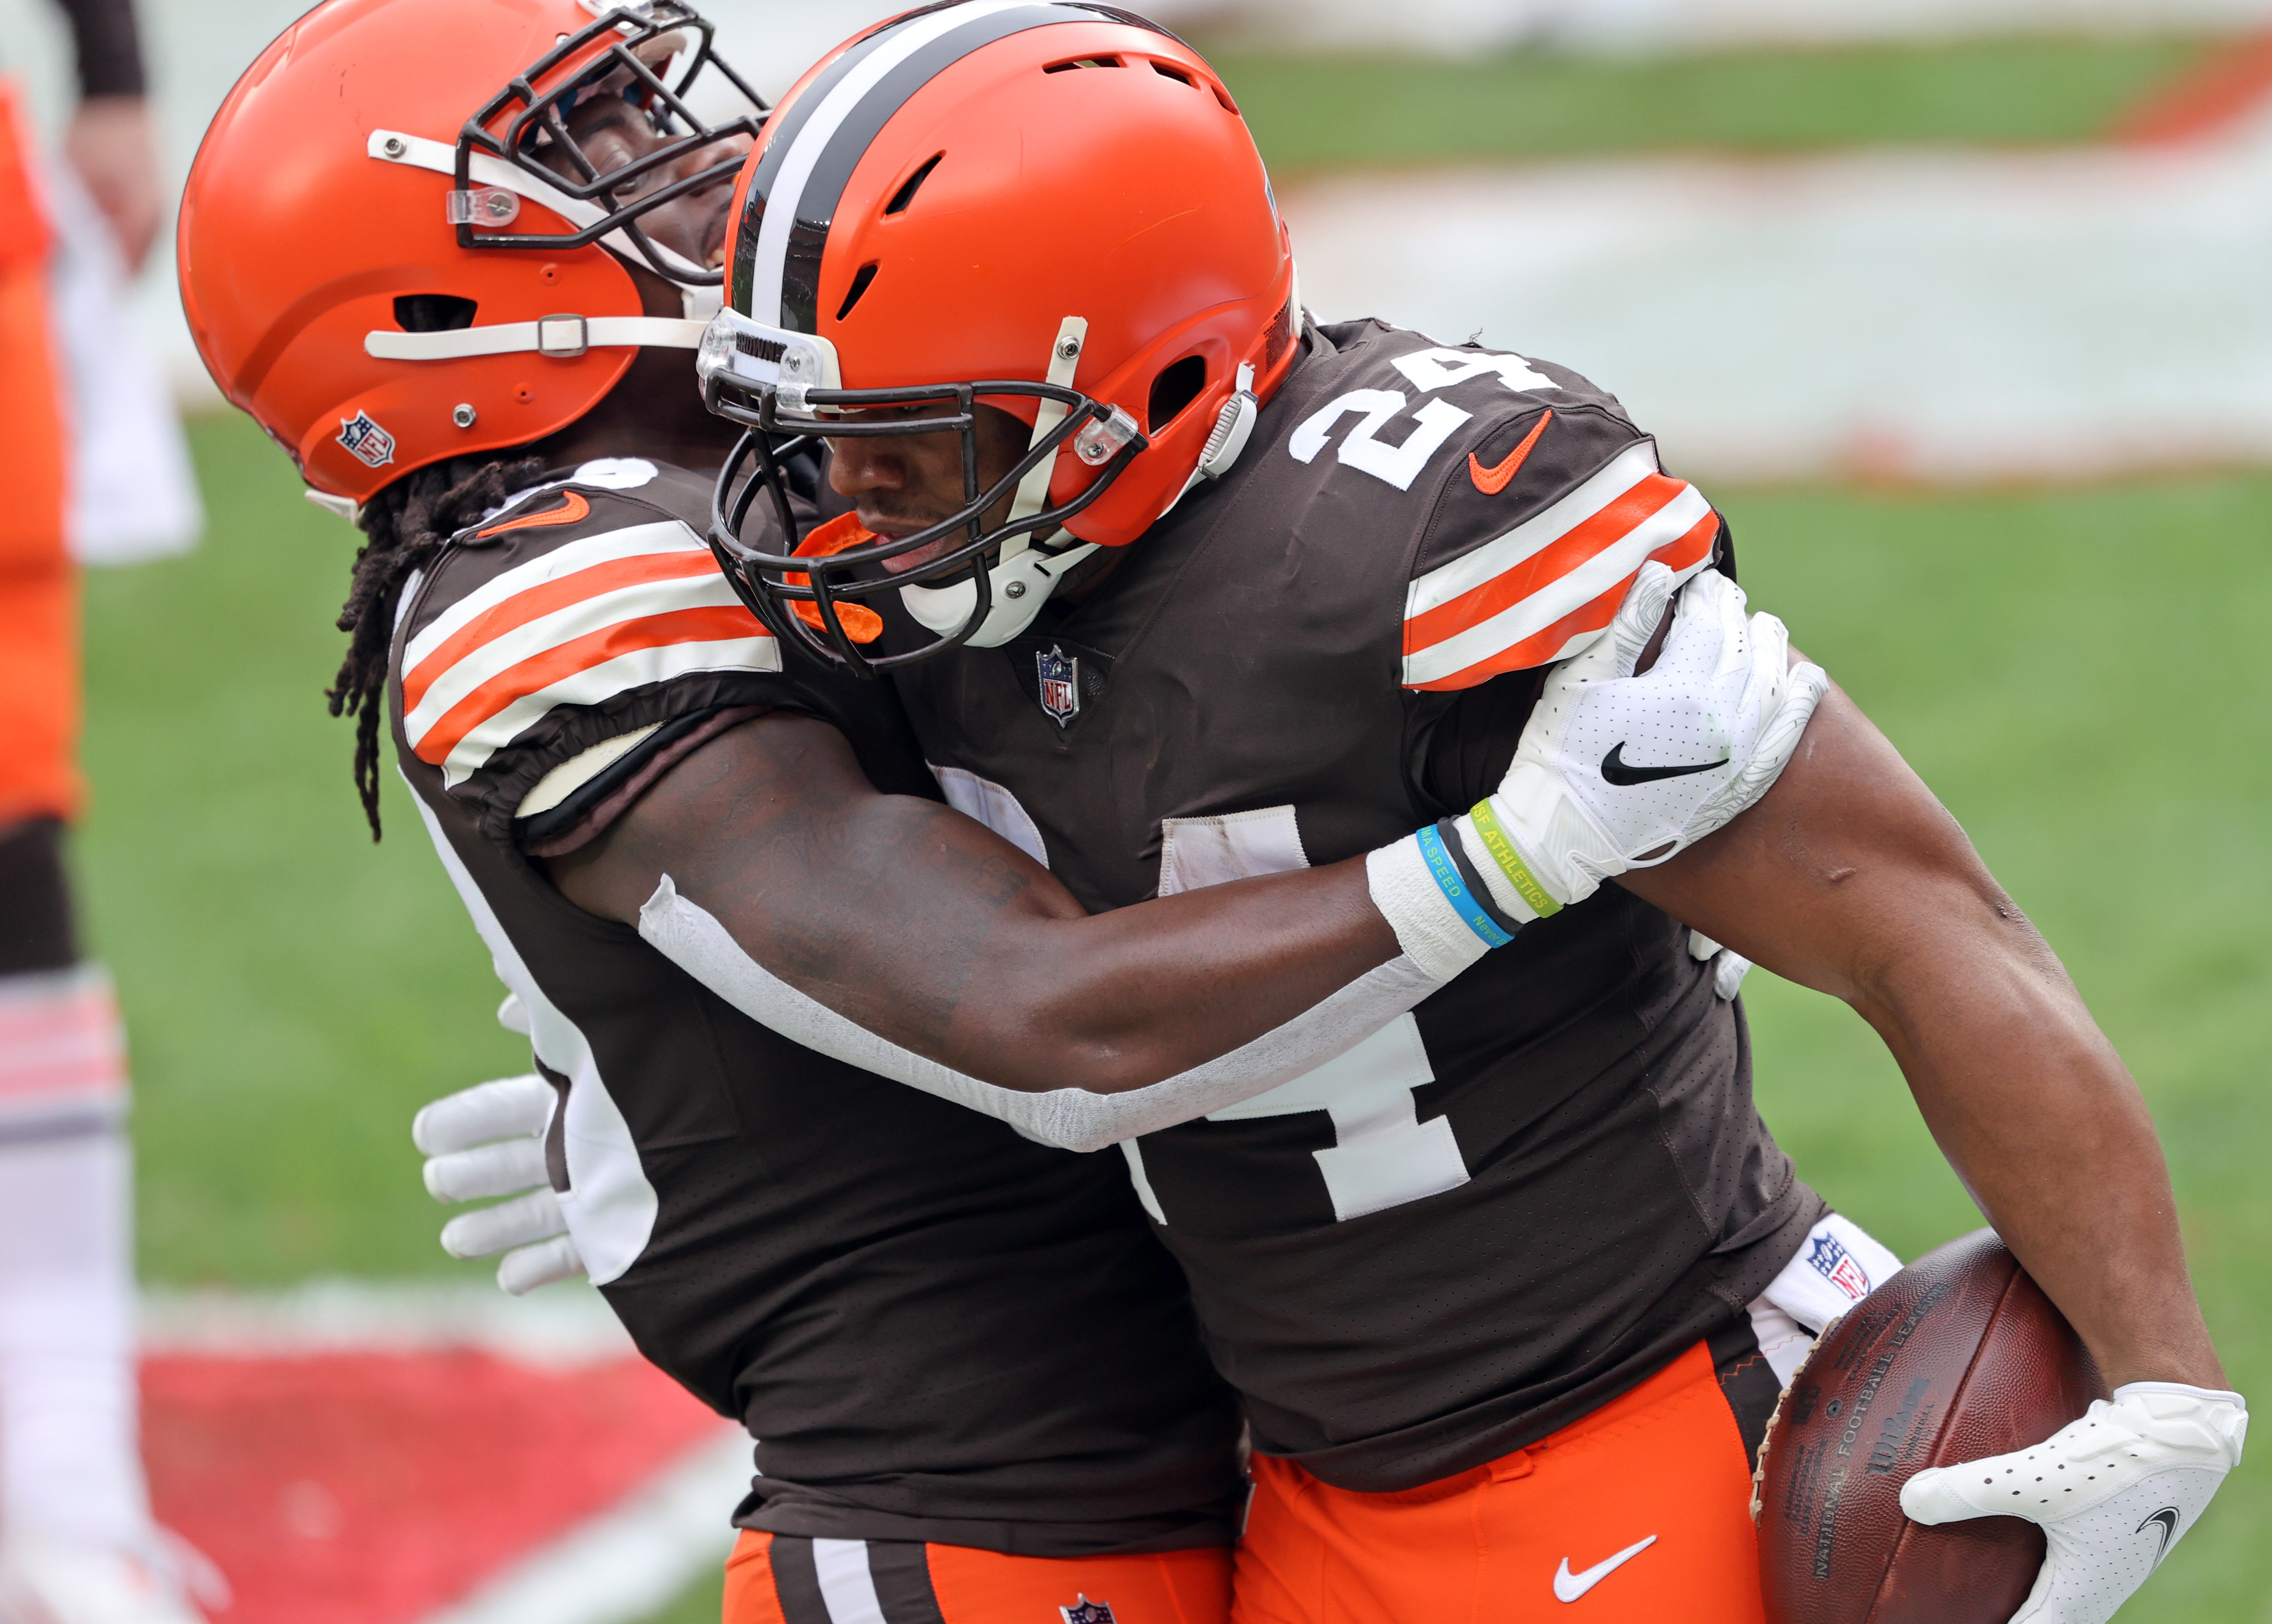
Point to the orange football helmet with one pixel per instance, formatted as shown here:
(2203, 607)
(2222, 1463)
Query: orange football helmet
(378, 262)
(1052, 208)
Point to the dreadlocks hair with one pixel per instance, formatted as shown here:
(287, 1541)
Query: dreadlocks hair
(406, 523)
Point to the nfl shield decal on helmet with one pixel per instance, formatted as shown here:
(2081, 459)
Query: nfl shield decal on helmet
(366, 441)
(1060, 690)
(1084, 1611)
(1836, 1265)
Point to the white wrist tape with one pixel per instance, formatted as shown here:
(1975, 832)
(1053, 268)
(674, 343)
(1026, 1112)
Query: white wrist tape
(1074, 1119)
(1428, 927)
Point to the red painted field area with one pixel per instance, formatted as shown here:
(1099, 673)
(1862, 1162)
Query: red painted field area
(368, 1488)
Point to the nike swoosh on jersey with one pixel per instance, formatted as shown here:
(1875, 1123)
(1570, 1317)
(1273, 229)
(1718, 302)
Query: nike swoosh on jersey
(1495, 479)
(1614, 769)
(573, 509)
(1547, 588)
(1569, 1586)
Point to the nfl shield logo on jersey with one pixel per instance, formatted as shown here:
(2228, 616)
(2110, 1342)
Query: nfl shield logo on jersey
(1060, 687)
(366, 441)
(1836, 1265)
(1084, 1611)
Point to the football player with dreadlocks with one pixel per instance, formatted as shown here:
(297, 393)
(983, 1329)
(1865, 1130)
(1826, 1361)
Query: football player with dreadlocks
(457, 286)
(1193, 589)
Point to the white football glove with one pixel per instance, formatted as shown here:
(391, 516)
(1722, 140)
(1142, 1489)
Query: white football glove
(2113, 1491)
(1617, 771)
(1614, 772)
(489, 1140)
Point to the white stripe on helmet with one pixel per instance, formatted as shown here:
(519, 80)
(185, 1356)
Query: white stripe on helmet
(811, 142)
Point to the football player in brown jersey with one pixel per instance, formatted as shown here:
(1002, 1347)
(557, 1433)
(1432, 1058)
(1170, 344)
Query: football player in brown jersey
(1185, 587)
(452, 281)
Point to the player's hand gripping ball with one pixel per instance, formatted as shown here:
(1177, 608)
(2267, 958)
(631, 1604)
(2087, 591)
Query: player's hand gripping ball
(1617, 772)
(2113, 1491)
(1898, 1483)
(489, 1140)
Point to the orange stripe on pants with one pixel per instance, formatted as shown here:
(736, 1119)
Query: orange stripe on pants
(39, 599)
(986, 1587)
(1664, 1464)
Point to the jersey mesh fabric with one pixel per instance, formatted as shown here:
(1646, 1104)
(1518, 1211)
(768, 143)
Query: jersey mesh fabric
(936, 1330)
(1552, 1180)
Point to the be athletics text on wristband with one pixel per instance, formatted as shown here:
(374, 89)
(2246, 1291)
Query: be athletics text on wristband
(1510, 860)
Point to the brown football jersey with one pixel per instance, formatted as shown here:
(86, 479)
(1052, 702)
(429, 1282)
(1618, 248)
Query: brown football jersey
(1519, 1200)
(936, 1330)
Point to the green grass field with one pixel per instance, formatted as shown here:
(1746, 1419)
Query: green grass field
(1311, 113)
(294, 993)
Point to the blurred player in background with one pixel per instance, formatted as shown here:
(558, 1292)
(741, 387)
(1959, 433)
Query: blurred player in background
(85, 483)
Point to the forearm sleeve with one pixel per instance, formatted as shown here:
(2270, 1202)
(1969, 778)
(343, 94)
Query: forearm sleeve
(1071, 1118)
(108, 46)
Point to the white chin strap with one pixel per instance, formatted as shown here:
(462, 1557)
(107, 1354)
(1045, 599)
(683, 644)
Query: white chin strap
(566, 335)
(1021, 583)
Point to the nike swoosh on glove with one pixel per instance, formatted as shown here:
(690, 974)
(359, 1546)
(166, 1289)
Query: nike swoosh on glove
(489, 1140)
(2113, 1491)
(1580, 802)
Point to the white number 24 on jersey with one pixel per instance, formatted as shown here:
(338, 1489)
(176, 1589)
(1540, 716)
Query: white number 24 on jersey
(1432, 424)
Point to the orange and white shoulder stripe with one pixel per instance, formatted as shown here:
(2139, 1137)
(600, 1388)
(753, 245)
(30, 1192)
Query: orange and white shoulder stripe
(591, 618)
(1546, 588)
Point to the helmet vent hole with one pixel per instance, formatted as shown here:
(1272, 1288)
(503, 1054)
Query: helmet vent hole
(1175, 387)
(866, 274)
(1177, 74)
(433, 312)
(905, 196)
(1084, 62)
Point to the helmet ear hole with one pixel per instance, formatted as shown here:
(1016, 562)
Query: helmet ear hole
(433, 312)
(1176, 388)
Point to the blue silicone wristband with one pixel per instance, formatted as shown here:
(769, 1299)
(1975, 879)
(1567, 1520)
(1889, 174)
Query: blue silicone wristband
(1455, 891)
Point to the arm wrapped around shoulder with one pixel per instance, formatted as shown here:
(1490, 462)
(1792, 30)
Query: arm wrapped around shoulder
(1617, 771)
(1072, 1119)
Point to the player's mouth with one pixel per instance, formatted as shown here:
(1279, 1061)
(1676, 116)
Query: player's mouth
(892, 529)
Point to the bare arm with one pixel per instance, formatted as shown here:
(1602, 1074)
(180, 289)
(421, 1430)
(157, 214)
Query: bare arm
(1850, 878)
(920, 925)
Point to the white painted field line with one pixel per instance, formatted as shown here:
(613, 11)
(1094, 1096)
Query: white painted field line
(1941, 316)
(632, 1561)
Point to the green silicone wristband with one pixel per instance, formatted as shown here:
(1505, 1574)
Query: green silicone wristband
(1510, 860)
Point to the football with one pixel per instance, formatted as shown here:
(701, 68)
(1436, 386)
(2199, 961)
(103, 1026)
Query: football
(1958, 1356)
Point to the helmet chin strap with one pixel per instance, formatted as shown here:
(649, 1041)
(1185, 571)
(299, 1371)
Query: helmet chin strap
(564, 335)
(1023, 578)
